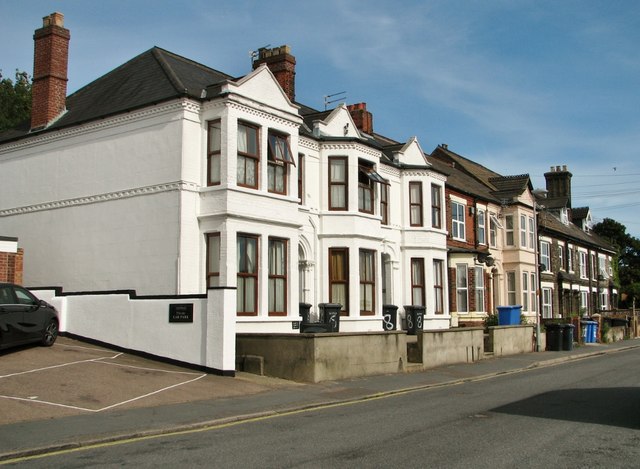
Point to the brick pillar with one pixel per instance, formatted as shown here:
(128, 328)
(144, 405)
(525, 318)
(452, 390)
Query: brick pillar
(50, 58)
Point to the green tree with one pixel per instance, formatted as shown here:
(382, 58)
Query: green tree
(628, 258)
(15, 100)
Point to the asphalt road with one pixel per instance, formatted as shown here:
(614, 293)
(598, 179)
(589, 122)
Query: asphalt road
(583, 413)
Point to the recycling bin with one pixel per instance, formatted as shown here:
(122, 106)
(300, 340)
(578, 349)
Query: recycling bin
(415, 319)
(389, 317)
(304, 310)
(589, 331)
(330, 314)
(554, 336)
(509, 315)
(567, 336)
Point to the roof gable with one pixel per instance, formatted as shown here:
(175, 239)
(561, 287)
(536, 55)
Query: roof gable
(261, 85)
(411, 154)
(338, 123)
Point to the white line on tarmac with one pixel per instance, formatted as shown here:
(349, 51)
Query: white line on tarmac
(117, 404)
(149, 369)
(150, 394)
(60, 366)
(100, 360)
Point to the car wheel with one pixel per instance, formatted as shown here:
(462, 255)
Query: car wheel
(50, 333)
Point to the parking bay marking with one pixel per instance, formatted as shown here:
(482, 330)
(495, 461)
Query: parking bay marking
(101, 361)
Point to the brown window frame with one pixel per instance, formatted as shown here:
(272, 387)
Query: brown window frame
(436, 206)
(301, 168)
(211, 274)
(278, 161)
(365, 189)
(419, 261)
(253, 159)
(244, 275)
(413, 204)
(341, 281)
(344, 184)
(275, 277)
(384, 203)
(438, 286)
(367, 281)
(213, 154)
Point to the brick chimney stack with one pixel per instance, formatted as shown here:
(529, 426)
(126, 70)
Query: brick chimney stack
(51, 54)
(283, 66)
(559, 182)
(361, 117)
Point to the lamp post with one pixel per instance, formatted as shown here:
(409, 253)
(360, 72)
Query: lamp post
(537, 193)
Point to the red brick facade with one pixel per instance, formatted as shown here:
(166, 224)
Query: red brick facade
(11, 267)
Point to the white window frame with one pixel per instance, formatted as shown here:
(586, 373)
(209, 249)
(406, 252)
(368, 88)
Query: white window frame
(479, 289)
(525, 291)
(547, 306)
(462, 287)
(532, 230)
(523, 231)
(458, 221)
(482, 226)
(584, 272)
(509, 231)
(545, 255)
(512, 293)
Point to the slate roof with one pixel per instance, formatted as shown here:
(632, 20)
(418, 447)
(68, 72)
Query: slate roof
(461, 182)
(152, 77)
(471, 177)
(508, 187)
(579, 213)
(476, 170)
(548, 223)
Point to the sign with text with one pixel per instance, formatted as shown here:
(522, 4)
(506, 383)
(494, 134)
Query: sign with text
(181, 312)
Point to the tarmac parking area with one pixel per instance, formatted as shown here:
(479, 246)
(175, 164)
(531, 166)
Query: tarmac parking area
(73, 378)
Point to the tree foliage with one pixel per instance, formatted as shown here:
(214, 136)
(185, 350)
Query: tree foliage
(628, 258)
(15, 100)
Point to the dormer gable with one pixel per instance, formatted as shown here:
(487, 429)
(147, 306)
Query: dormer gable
(411, 154)
(338, 123)
(261, 86)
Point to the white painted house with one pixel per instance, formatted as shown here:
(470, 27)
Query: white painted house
(167, 177)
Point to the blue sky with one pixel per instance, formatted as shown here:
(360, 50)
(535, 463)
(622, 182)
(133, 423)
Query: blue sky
(518, 86)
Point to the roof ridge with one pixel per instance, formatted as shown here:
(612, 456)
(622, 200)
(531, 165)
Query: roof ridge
(166, 68)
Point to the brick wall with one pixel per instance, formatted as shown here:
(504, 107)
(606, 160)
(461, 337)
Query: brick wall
(11, 267)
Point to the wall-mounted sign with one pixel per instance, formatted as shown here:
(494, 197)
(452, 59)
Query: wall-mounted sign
(182, 312)
(295, 325)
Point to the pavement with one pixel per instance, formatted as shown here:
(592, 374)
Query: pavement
(208, 401)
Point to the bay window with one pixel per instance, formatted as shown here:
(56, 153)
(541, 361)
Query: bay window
(339, 277)
(214, 138)
(367, 282)
(247, 293)
(248, 155)
(415, 203)
(277, 277)
(338, 183)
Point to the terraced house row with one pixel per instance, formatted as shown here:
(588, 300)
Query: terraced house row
(168, 177)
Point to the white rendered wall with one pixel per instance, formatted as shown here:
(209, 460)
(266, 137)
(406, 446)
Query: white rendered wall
(97, 207)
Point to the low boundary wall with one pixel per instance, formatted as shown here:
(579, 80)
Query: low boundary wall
(314, 358)
(190, 329)
(511, 340)
(446, 347)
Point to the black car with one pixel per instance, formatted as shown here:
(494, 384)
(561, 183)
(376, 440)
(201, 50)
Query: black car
(24, 318)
